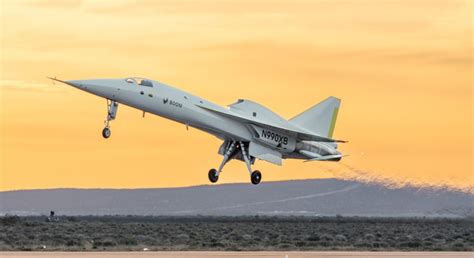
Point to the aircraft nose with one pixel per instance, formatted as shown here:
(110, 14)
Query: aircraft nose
(76, 83)
(103, 87)
(80, 84)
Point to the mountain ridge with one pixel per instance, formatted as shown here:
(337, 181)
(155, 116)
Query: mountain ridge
(317, 197)
(388, 185)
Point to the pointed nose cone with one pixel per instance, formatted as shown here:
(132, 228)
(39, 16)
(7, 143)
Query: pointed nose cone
(91, 86)
(76, 83)
(107, 88)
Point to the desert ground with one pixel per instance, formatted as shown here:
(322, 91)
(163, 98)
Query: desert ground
(285, 234)
(234, 254)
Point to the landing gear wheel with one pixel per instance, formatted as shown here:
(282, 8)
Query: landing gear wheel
(213, 176)
(106, 132)
(256, 177)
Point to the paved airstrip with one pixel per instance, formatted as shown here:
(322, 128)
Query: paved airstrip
(233, 254)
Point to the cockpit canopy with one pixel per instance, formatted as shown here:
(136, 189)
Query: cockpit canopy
(139, 81)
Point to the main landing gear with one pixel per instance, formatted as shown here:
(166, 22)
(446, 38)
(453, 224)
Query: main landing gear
(112, 107)
(255, 177)
(213, 175)
(232, 149)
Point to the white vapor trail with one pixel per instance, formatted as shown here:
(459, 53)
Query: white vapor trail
(346, 189)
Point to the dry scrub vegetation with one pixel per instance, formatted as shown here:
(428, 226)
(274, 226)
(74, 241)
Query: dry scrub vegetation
(235, 233)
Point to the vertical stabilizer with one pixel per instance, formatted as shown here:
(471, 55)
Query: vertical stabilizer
(320, 118)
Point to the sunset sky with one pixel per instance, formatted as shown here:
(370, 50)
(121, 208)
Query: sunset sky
(403, 69)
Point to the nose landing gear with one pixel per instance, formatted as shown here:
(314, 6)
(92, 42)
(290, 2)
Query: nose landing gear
(106, 132)
(112, 107)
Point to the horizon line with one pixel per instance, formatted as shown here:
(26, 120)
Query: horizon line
(388, 185)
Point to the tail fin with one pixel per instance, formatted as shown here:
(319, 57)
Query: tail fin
(320, 118)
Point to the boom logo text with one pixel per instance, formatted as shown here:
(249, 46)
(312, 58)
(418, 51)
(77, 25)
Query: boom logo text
(172, 103)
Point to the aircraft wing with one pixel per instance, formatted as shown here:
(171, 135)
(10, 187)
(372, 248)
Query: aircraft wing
(275, 124)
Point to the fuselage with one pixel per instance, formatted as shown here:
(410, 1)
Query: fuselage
(267, 135)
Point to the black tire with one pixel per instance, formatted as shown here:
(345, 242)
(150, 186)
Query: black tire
(213, 176)
(106, 132)
(256, 177)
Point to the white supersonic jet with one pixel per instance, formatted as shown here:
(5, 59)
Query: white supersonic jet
(249, 130)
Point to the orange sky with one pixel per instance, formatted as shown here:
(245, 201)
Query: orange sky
(403, 70)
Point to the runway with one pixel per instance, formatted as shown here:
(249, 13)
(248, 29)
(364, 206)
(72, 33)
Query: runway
(233, 254)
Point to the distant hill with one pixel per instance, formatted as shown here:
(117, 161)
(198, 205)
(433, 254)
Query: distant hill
(319, 197)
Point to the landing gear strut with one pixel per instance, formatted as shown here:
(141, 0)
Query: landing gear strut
(231, 149)
(112, 107)
(228, 153)
(255, 176)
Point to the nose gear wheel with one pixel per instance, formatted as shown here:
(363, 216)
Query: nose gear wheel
(112, 107)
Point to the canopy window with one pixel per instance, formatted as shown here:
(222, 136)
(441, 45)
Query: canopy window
(139, 81)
